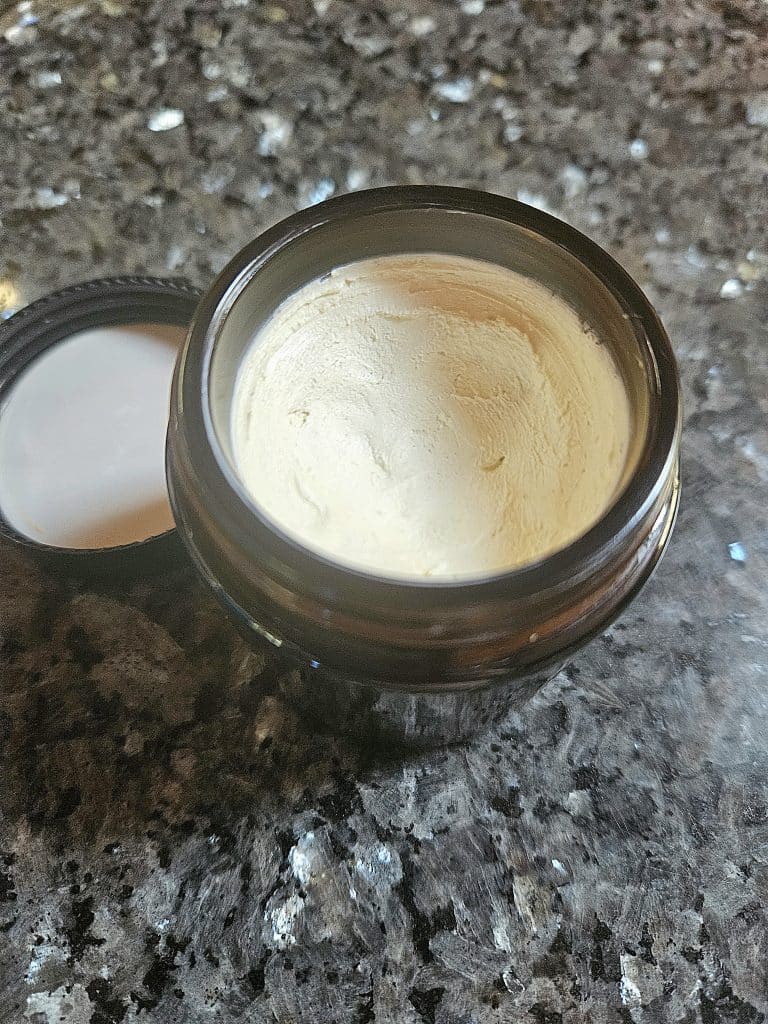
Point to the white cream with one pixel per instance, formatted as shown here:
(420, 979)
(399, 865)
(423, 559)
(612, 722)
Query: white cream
(82, 438)
(429, 415)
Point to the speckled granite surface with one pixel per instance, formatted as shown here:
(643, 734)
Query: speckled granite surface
(176, 845)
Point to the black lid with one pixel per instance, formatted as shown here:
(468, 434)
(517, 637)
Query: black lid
(105, 302)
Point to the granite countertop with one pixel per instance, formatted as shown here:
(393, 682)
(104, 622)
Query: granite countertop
(176, 845)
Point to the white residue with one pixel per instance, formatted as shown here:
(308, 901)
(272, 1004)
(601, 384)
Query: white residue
(560, 868)
(472, 7)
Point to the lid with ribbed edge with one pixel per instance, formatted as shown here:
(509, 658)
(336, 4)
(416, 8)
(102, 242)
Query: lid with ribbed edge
(83, 372)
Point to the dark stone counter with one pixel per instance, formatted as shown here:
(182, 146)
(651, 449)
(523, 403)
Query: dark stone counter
(176, 844)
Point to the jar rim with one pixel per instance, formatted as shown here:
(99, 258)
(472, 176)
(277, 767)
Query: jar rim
(287, 558)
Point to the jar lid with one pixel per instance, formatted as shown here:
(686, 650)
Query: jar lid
(85, 378)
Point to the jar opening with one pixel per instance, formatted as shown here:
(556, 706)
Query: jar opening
(307, 255)
(429, 416)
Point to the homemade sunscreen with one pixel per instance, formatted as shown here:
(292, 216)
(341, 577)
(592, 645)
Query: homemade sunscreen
(82, 438)
(426, 415)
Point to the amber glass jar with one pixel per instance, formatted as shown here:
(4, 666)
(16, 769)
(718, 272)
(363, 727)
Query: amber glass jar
(431, 661)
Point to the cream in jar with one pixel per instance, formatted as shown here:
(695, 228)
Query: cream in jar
(427, 415)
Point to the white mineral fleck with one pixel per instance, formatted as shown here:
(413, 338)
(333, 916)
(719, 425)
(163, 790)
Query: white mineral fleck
(458, 90)
(46, 79)
(638, 149)
(357, 177)
(165, 119)
(422, 25)
(757, 110)
(574, 180)
(737, 552)
(731, 289)
(321, 191)
(534, 199)
(276, 133)
(46, 198)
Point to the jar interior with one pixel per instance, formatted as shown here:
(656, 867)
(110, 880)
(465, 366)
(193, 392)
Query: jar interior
(260, 288)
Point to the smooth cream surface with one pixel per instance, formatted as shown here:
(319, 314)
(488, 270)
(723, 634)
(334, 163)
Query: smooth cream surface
(82, 438)
(427, 415)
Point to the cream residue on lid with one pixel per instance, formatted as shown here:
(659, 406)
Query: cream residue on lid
(427, 415)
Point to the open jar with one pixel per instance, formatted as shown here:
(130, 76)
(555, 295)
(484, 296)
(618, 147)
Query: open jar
(427, 661)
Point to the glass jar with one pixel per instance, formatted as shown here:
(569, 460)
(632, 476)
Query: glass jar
(433, 661)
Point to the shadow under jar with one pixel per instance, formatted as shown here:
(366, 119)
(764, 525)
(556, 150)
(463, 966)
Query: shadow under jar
(433, 661)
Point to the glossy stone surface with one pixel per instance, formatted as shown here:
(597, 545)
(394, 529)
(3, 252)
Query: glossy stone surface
(176, 844)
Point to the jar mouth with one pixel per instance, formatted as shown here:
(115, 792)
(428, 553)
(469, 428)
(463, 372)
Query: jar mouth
(418, 219)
